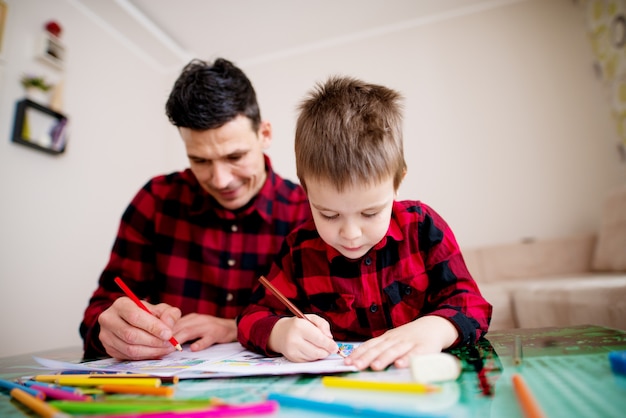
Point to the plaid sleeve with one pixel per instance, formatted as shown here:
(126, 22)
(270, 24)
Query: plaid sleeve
(452, 292)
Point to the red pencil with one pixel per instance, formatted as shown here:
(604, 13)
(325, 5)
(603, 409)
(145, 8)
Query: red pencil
(135, 299)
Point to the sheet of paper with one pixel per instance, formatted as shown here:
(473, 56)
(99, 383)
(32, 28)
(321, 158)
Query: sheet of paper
(220, 360)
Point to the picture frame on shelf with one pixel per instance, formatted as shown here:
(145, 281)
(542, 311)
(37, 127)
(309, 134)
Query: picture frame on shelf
(39, 127)
(3, 20)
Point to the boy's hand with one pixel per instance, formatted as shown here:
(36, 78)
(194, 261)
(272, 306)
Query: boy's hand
(425, 335)
(300, 340)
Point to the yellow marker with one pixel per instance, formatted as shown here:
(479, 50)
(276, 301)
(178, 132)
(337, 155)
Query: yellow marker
(98, 381)
(347, 383)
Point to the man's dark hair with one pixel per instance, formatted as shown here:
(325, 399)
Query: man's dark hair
(206, 96)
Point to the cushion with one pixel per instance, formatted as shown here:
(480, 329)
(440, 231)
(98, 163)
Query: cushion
(597, 300)
(610, 251)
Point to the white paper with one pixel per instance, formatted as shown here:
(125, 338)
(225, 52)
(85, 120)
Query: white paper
(220, 360)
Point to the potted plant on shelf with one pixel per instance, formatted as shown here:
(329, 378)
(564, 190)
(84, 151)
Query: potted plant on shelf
(36, 88)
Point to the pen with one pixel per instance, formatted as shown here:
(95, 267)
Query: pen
(527, 401)
(342, 409)
(135, 299)
(37, 405)
(293, 308)
(347, 383)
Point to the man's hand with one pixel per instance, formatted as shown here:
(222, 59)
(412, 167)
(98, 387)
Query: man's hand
(127, 332)
(206, 330)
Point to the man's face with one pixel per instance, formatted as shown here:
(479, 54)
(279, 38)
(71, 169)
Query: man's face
(228, 161)
(353, 220)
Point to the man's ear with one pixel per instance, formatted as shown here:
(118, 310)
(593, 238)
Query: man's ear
(265, 134)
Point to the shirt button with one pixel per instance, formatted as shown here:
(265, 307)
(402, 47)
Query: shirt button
(373, 308)
(234, 228)
(368, 261)
(231, 262)
(229, 297)
(408, 291)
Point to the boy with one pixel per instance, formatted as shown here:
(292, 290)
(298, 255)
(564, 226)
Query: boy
(366, 267)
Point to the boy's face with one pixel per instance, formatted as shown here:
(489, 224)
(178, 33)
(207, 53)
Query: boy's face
(354, 220)
(228, 161)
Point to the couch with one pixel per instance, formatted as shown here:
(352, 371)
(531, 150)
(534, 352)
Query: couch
(561, 281)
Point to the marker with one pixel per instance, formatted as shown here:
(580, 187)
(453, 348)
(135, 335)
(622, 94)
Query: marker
(135, 299)
(293, 308)
(42, 409)
(347, 383)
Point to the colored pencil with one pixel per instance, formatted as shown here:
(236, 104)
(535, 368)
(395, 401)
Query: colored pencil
(139, 303)
(8, 385)
(42, 409)
(51, 378)
(249, 409)
(138, 390)
(343, 409)
(348, 383)
(293, 308)
(56, 393)
(518, 355)
(97, 381)
(128, 406)
(528, 404)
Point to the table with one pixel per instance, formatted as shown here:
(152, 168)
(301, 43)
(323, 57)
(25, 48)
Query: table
(567, 370)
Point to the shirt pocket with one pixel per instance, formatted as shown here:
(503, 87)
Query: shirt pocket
(408, 295)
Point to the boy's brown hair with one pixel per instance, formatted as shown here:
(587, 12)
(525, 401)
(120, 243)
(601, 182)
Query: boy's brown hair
(350, 132)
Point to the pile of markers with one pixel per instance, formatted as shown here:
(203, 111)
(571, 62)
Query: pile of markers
(119, 396)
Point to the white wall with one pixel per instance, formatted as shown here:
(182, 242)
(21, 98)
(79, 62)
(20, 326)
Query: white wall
(59, 214)
(508, 132)
(508, 135)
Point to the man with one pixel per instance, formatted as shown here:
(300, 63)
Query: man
(193, 243)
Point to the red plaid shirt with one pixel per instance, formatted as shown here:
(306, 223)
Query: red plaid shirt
(176, 245)
(417, 269)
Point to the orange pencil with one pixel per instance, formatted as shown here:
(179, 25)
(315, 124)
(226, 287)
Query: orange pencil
(37, 405)
(135, 299)
(529, 405)
(138, 390)
(293, 308)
